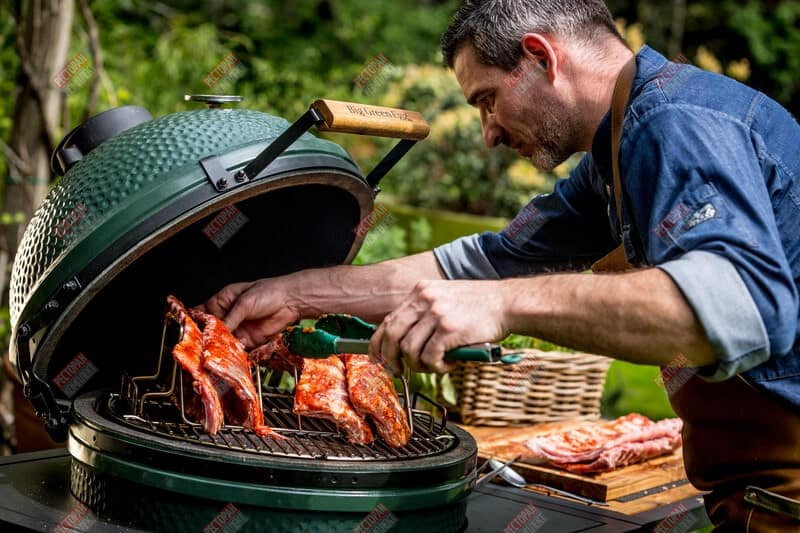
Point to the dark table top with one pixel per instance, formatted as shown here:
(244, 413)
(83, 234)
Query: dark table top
(34, 496)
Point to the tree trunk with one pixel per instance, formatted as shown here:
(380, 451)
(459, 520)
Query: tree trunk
(43, 30)
(678, 23)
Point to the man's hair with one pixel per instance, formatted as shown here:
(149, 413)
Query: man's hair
(494, 28)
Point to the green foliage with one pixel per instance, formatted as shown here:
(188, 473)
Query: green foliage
(390, 245)
(774, 43)
(453, 169)
(397, 241)
(5, 326)
(515, 342)
(630, 388)
(419, 235)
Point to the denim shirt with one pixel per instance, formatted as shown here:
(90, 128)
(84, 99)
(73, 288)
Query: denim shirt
(711, 176)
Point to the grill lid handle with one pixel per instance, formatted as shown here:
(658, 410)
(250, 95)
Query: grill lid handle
(334, 116)
(363, 119)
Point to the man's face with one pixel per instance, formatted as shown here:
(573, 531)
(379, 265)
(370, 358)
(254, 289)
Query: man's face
(539, 123)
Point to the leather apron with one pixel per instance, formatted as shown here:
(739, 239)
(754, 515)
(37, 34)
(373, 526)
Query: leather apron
(739, 442)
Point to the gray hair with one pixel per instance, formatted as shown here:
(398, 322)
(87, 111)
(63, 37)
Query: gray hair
(495, 27)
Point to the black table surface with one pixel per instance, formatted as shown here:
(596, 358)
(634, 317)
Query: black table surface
(34, 496)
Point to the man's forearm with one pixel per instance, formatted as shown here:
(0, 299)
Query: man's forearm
(640, 316)
(369, 291)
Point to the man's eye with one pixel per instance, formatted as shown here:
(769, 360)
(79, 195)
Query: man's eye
(488, 104)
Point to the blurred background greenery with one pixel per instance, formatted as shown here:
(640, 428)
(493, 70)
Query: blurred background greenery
(296, 51)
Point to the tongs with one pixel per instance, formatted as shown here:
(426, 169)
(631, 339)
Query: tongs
(340, 333)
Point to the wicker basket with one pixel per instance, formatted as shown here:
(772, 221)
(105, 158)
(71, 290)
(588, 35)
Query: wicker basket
(545, 387)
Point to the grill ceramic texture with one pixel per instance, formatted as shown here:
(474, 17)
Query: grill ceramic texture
(146, 198)
(158, 510)
(126, 168)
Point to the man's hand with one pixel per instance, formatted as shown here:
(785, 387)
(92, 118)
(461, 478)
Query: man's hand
(254, 311)
(438, 316)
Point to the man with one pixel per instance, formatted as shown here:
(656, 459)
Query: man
(710, 188)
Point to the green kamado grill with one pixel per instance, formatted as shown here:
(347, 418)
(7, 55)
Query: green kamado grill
(122, 229)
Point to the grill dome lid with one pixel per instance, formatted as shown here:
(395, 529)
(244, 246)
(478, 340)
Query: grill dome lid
(129, 223)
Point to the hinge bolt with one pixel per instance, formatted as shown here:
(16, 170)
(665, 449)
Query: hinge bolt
(222, 183)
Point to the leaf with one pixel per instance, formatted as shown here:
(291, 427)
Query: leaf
(447, 390)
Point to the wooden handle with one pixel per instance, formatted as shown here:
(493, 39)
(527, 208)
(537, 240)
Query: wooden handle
(347, 117)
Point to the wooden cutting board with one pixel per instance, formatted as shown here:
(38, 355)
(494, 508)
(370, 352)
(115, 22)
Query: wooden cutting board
(662, 473)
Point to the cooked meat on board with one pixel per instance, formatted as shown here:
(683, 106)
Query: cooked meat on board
(374, 396)
(224, 357)
(605, 445)
(321, 392)
(201, 401)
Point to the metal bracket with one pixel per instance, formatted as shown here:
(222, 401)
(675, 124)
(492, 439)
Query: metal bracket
(220, 178)
(223, 180)
(385, 165)
(38, 391)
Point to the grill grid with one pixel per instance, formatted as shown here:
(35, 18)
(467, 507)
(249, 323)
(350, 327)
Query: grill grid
(318, 438)
(146, 402)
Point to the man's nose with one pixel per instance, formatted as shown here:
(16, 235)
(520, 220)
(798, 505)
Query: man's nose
(492, 133)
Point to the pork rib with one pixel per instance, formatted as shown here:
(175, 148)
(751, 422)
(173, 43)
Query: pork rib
(321, 392)
(205, 407)
(603, 446)
(276, 355)
(373, 395)
(224, 357)
(626, 454)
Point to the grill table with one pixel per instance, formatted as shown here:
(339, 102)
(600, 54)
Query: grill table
(34, 497)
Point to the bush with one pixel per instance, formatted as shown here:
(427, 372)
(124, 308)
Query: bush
(452, 169)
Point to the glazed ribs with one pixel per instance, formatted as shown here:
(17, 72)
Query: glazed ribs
(226, 361)
(216, 365)
(321, 392)
(204, 405)
(373, 395)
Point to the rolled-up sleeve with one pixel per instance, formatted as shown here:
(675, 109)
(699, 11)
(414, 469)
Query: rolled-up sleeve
(566, 230)
(464, 258)
(727, 312)
(705, 216)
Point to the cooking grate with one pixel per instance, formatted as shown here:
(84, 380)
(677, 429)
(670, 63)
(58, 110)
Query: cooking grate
(145, 403)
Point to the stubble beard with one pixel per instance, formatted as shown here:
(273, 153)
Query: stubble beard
(555, 135)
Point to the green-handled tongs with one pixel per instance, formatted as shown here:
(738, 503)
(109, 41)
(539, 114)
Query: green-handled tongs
(339, 333)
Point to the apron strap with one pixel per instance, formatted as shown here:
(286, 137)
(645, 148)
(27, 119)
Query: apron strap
(617, 260)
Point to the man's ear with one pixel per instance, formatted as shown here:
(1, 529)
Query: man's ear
(538, 46)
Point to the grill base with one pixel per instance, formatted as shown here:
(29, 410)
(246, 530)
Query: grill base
(113, 460)
(112, 498)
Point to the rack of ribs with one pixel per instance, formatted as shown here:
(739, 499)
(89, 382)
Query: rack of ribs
(321, 392)
(204, 406)
(373, 395)
(226, 361)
